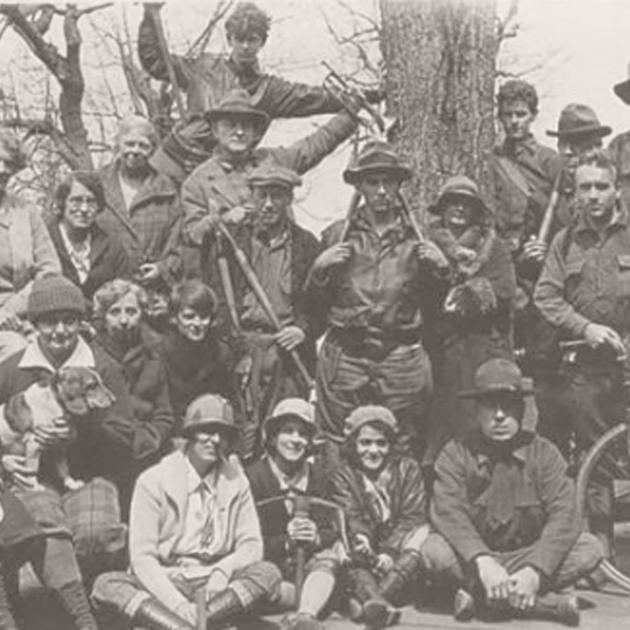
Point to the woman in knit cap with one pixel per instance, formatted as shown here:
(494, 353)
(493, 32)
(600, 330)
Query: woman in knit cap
(26, 251)
(384, 499)
(101, 448)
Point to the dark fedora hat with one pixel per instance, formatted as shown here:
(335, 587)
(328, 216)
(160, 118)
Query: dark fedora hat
(576, 120)
(497, 376)
(238, 102)
(376, 155)
(622, 89)
(460, 186)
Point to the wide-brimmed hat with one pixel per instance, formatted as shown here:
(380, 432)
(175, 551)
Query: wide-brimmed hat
(271, 173)
(238, 102)
(497, 376)
(576, 120)
(459, 185)
(291, 408)
(622, 89)
(366, 414)
(209, 411)
(379, 156)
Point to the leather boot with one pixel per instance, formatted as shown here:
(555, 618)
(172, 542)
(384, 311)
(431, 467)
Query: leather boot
(154, 615)
(221, 608)
(377, 613)
(7, 622)
(74, 601)
(406, 567)
(556, 607)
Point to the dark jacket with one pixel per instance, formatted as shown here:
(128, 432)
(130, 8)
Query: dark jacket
(408, 504)
(193, 369)
(619, 149)
(275, 517)
(104, 442)
(108, 259)
(544, 515)
(304, 249)
(150, 229)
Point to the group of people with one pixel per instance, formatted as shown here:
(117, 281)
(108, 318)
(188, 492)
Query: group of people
(207, 483)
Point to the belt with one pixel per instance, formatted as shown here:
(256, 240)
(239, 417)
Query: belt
(372, 343)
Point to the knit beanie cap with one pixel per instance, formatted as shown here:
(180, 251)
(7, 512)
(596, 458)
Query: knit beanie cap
(54, 293)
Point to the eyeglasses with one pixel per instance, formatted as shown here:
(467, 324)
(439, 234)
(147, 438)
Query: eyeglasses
(79, 202)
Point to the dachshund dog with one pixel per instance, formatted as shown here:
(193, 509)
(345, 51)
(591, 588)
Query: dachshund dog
(72, 394)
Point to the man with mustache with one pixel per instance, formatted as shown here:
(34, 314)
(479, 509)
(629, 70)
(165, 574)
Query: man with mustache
(584, 291)
(193, 527)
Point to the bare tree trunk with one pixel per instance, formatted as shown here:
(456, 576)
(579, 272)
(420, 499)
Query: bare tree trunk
(440, 57)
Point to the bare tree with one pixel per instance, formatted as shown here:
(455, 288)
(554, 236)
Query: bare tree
(32, 24)
(440, 57)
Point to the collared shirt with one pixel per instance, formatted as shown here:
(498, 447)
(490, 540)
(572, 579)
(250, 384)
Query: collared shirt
(271, 260)
(380, 287)
(33, 357)
(298, 482)
(203, 531)
(79, 253)
(542, 497)
(586, 277)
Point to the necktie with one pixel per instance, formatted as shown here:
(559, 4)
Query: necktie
(208, 529)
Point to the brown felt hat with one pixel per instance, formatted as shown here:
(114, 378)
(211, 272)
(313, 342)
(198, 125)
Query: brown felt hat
(497, 376)
(622, 89)
(462, 186)
(376, 155)
(238, 102)
(577, 120)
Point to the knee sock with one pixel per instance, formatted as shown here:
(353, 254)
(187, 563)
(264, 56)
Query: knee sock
(316, 592)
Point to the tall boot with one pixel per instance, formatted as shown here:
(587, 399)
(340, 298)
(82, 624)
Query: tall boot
(74, 601)
(222, 607)
(7, 622)
(154, 615)
(377, 613)
(556, 607)
(406, 567)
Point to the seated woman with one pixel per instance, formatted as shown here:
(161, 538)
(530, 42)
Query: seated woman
(98, 448)
(195, 545)
(52, 558)
(384, 499)
(89, 256)
(119, 306)
(26, 251)
(196, 360)
(288, 435)
(507, 526)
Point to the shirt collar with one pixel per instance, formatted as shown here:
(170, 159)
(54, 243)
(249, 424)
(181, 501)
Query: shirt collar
(297, 482)
(194, 481)
(33, 357)
(513, 147)
(619, 220)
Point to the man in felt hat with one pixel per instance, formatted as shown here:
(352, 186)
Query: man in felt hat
(505, 513)
(142, 207)
(193, 527)
(206, 79)
(619, 146)
(285, 470)
(281, 254)
(102, 445)
(367, 288)
(584, 292)
(474, 312)
(219, 187)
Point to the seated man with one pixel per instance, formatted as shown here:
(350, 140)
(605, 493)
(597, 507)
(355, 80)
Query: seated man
(383, 496)
(508, 530)
(283, 469)
(193, 526)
